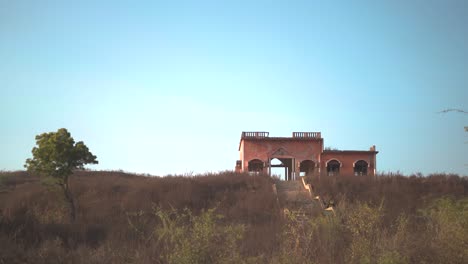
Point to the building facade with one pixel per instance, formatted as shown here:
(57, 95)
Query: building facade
(302, 154)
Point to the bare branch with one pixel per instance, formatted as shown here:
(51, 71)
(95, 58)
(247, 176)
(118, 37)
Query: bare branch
(453, 110)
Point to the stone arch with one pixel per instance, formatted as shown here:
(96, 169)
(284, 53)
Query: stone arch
(278, 167)
(333, 167)
(360, 167)
(255, 165)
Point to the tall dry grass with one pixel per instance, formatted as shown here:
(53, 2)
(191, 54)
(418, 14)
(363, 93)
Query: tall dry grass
(232, 218)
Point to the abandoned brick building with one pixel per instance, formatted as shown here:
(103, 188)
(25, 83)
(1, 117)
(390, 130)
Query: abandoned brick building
(300, 155)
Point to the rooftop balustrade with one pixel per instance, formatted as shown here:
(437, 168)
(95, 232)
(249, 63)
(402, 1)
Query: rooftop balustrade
(307, 135)
(255, 134)
(297, 135)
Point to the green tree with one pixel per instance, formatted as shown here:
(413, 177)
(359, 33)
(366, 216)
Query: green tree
(55, 156)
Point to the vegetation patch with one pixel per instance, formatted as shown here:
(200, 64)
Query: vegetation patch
(232, 218)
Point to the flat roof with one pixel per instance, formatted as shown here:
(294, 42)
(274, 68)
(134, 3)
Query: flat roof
(265, 136)
(348, 151)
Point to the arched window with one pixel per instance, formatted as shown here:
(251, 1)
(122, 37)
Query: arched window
(360, 168)
(256, 165)
(333, 167)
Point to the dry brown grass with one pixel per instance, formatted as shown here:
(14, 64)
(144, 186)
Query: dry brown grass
(117, 220)
(32, 214)
(399, 194)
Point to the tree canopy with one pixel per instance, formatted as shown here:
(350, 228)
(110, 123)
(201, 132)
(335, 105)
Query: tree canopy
(57, 155)
(54, 159)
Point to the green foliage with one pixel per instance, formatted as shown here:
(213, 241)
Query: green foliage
(448, 224)
(188, 238)
(54, 159)
(57, 155)
(295, 239)
(364, 223)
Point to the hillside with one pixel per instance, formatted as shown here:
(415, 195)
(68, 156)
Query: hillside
(232, 218)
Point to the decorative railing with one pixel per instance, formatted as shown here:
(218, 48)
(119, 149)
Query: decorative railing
(295, 134)
(307, 135)
(255, 134)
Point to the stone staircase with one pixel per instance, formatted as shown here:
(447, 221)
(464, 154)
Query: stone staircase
(293, 196)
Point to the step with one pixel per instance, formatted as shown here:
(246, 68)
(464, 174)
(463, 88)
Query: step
(306, 210)
(294, 196)
(289, 185)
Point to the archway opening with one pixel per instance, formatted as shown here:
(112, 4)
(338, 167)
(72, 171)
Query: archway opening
(360, 168)
(333, 168)
(277, 168)
(256, 165)
(282, 167)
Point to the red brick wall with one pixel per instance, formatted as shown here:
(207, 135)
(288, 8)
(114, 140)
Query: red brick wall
(347, 159)
(299, 149)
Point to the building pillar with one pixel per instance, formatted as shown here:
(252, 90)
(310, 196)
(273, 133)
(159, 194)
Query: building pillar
(269, 167)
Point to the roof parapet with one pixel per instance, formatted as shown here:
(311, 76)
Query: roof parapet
(255, 134)
(307, 135)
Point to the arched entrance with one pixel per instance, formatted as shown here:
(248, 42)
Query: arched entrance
(277, 169)
(282, 167)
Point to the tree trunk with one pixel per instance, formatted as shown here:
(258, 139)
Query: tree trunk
(69, 199)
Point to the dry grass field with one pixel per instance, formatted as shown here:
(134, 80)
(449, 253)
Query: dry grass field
(232, 218)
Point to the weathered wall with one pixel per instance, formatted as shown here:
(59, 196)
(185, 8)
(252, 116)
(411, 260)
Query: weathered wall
(347, 159)
(300, 147)
(263, 148)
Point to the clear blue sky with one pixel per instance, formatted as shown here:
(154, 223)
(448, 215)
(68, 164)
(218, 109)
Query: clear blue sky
(165, 87)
